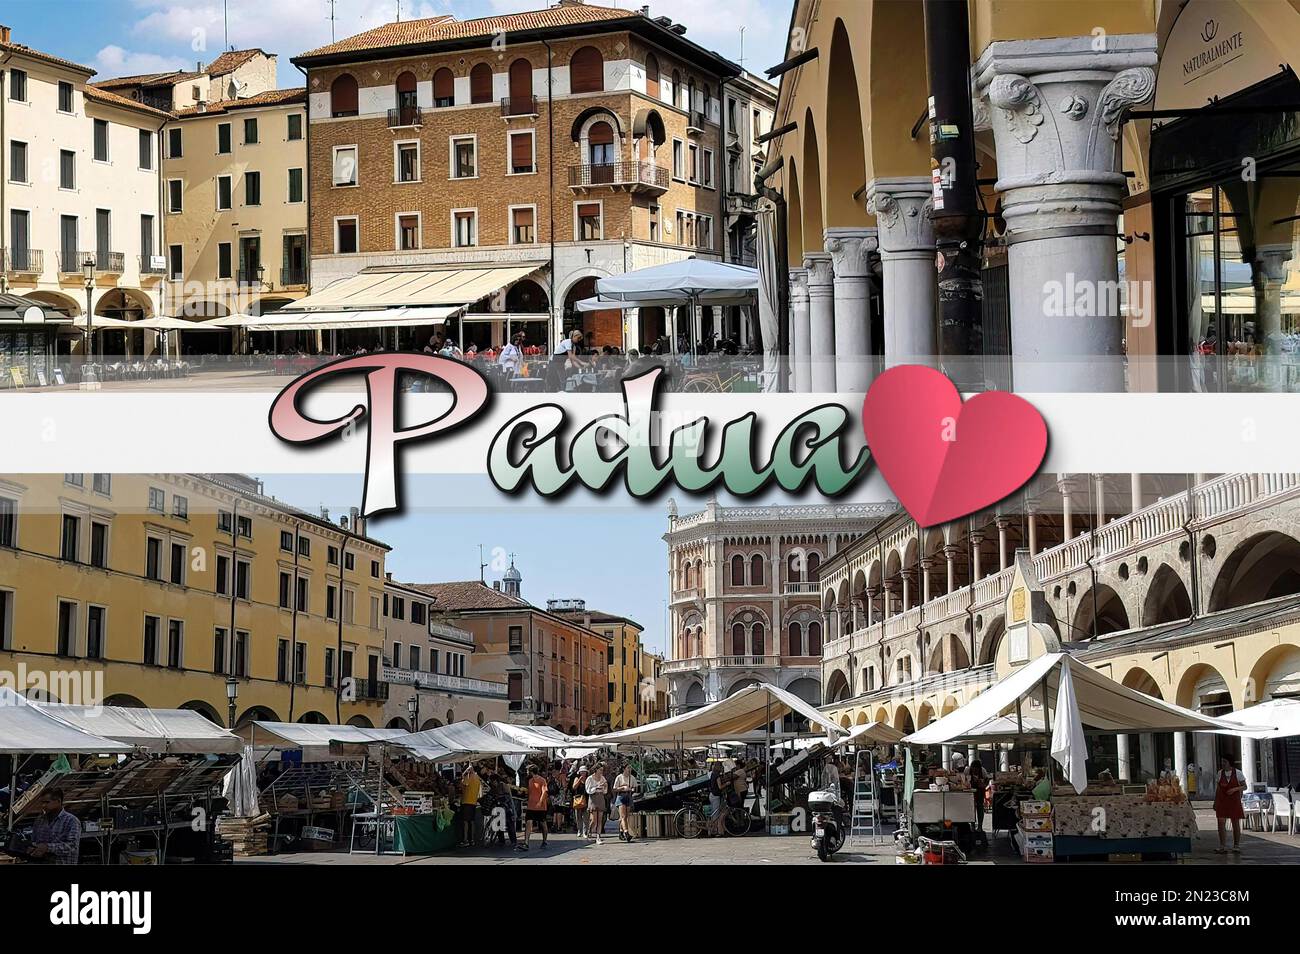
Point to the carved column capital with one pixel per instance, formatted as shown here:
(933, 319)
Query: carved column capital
(799, 283)
(902, 207)
(851, 250)
(820, 270)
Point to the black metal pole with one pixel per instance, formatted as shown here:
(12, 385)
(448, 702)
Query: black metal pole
(958, 215)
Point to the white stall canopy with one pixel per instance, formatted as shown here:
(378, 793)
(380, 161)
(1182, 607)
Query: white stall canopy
(458, 742)
(751, 708)
(27, 729)
(313, 739)
(873, 733)
(1274, 719)
(178, 731)
(1103, 704)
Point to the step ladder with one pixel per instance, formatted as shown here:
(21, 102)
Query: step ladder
(864, 821)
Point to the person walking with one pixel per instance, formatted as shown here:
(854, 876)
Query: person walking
(624, 787)
(979, 783)
(471, 787)
(597, 801)
(717, 792)
(538, 801)
(1229, 785)
(580, 816)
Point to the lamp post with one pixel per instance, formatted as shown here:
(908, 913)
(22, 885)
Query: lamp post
(413, 707)
(232, 693)
(261, 276)
(88, 273)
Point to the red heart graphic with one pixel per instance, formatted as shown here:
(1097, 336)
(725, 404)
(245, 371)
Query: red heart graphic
(942, 458)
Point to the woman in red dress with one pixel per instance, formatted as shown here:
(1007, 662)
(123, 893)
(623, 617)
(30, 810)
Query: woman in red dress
(1229, 784)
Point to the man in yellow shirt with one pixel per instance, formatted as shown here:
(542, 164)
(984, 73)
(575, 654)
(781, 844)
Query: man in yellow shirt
(471, 786)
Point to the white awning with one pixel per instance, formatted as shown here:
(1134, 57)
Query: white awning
(458, 742)
(285, 320)
(1104, 705)
(689, 277)
(27, 729)
(540, 737)
(750, 708)
(873, 733)
(181, 731)
(459, 285)
(599, 303)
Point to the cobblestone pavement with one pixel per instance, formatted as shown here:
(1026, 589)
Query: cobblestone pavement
(1257, 848)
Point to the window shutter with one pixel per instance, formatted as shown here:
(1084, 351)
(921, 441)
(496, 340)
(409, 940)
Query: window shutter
(343, 95)
(523, 217)
(601, 134)
(587, 209)
(521, 150)
(587, 71)
(652, 75)
(406, 82)
(521, 79)
(480, 84)
(444, 84)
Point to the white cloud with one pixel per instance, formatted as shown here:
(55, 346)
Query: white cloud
(116, 61)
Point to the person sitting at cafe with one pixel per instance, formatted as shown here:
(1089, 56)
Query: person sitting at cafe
(56, 835)
(512, 355)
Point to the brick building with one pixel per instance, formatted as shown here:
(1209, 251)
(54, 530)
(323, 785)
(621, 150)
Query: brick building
(555, 668)
(518, 158)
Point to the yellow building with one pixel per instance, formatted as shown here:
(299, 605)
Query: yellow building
(653, 702)
(124, 589)
(235, 201)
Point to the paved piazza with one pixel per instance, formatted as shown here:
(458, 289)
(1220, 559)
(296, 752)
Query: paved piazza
(1257, 848)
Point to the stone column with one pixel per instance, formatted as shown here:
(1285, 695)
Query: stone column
(1033, 533)
(1122, 756)
(1135, 492)
(851, 250)
(906, 577)
(908, 280)
(1099, 491)
(926, 566)
(1180, 756)
(950, 554)
(799, 329)
(976, 539)
(1055, 107)
(1003, 525)
(872, 593)
(1146, 755)
(1067, 509)
(1248, 748)
(821, 321)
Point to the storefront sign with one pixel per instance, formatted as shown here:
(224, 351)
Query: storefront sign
(1218, 47)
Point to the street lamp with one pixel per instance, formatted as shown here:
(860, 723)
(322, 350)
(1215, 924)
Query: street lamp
(261, 275)
(413, 707)
(88, 273)
(232, 693)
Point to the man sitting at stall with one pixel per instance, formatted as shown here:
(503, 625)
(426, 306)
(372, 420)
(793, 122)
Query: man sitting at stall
(56, 836)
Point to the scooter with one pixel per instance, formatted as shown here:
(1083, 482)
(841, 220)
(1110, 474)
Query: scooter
(827, 810)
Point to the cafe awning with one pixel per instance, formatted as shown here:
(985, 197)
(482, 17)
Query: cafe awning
(342, 320)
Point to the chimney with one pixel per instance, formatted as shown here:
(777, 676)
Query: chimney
(5, 33)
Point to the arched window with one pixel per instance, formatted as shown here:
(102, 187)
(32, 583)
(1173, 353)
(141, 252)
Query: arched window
(600, 143)
(444, 88)
(812, 562)
(343, 95)
(689, 105)
(587, 71)
(480, 84)
(406, 99)
(652, 75)
(737, 570)
(794, 568)
(521, 88)
(737, 639)
(758, 637)
(796, 646)
(699, 640)
(756, 570)
(676, 92)
(814, 638)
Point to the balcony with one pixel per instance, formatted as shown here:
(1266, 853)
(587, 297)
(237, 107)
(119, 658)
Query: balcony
(106, 263)
(695, 121)
(293, 276)
(405, 116)
(692, 594)
(528, 710)
(24, 261)
(371, 690)
(251, 276)
(441, 682)
(519, 106)
(808, 588)
(695, 663)
(631, 176)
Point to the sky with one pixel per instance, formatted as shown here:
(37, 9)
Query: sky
(608, 550)
(125, 37)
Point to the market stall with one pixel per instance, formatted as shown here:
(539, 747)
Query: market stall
(1060, 811)
(136, 785)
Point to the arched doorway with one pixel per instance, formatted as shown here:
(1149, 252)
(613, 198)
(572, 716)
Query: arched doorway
(1167, 599)
(599, 329)
(527, 297)
(125, 304)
